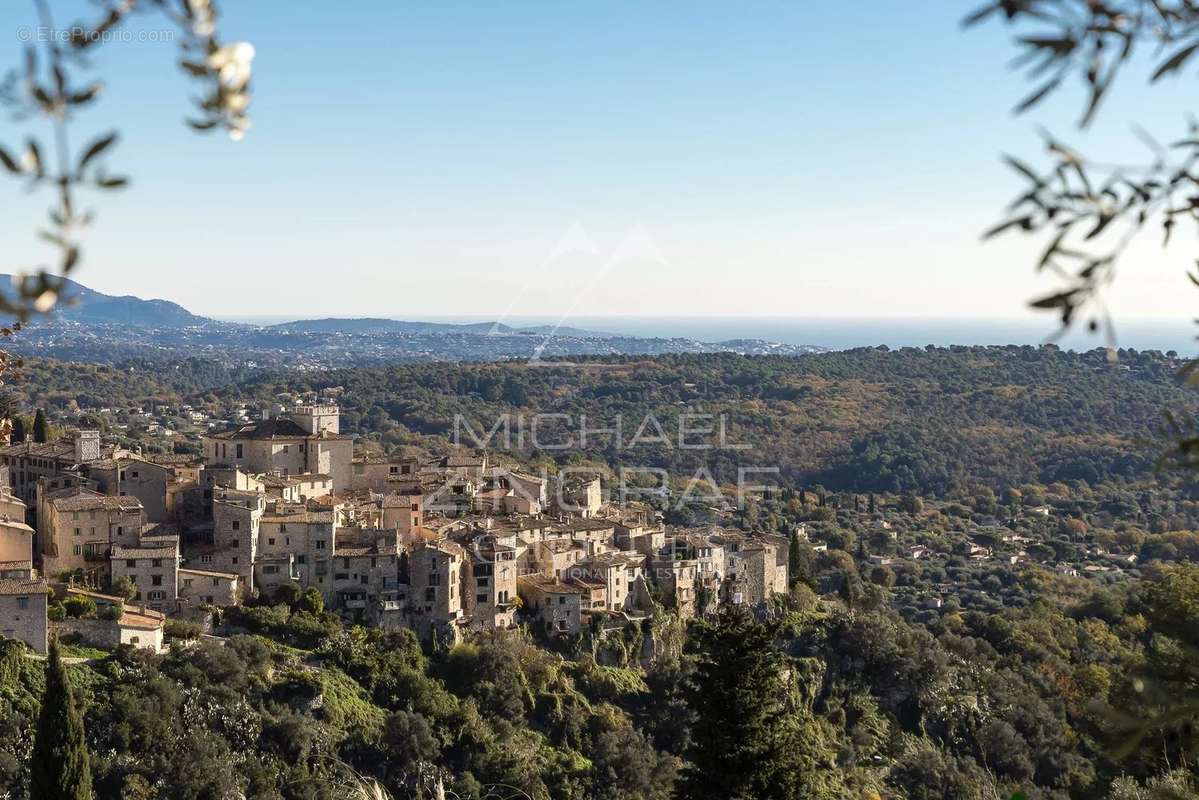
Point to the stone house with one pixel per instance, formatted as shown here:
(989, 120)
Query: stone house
(16, 540)
(129, 476)
(376, 472)
(79, 528)
(754, 573)
(301, 538)
(30, 461)
(199, 587)
(434, 594)
(304, 441)
(23, 604)
(154, 569)
(236, 519)
(617, 572)
(366, 569)
(490, 593)
(557, 604)
(403, 512)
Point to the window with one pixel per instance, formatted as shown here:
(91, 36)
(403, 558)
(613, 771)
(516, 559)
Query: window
(78, 531)
(271, 542)
(157, 595)
(187, 583)
(134, 473)
(78, 550)
(135, 640)
(320, 544)
(286, 448)
(480, 598)
(156, 580)
(206, 558)
(431, 593)
(131, 563)
(239, 451)
(157, 562)
(22, 603)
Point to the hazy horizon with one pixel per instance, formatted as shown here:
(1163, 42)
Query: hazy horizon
(784, 160)
(835, 333)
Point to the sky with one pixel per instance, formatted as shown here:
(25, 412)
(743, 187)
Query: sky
(431, 159)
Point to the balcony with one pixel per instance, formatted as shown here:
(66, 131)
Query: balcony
(96, 551)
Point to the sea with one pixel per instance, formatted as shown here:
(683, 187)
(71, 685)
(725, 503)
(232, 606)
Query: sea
(844, 333)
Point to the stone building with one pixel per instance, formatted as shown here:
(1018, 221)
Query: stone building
(233, 547)
(558, 605)
(154, 569)
(366, 570)
(617, 572)
(23, 604)
(378, 473)
(299, 542)
(130, 476)
(434, 584)
(27, 462)
(304, 441)
(199, 587)
(79, 527)
(403, 512)
(490, 593)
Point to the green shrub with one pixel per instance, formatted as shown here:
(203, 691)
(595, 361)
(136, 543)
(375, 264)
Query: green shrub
(112, 613)
(183, 629)
(79, 607)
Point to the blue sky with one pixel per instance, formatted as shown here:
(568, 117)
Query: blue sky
(711, 158)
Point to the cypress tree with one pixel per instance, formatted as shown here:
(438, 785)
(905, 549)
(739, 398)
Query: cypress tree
(18, 429)
(741, 749)
(794, 560)
(41, 431)
(59, 769)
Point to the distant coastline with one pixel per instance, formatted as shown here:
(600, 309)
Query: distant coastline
(843, 334)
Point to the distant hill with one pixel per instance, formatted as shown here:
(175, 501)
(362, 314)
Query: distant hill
(375, 325)
(87, 305)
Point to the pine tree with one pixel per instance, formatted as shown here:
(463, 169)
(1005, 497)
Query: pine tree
(41, 431)
(741, 742)
(59, 767)
(18, 429)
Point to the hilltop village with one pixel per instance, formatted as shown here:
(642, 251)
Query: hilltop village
(110, 544)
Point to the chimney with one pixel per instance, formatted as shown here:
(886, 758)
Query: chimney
(87, 446)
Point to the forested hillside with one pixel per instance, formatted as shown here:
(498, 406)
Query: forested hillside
(909, 420)
(870, 419)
